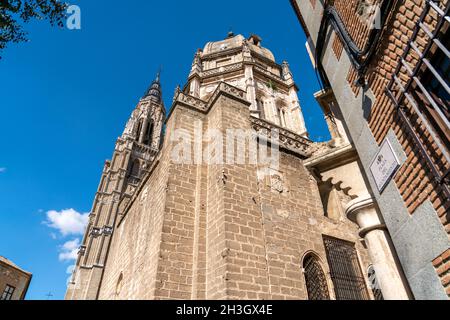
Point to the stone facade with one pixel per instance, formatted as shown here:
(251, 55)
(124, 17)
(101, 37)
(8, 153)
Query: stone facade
(195, 229)
(14, 281)
(379, 100)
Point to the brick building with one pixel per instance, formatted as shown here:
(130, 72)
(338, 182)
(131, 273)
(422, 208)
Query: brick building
(385, 70)
(14, 281)
(226, 197)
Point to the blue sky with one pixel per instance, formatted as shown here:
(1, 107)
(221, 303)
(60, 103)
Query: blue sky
(65, 97)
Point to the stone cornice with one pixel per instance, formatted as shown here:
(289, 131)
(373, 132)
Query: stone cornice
(189, 101)
(265, 60)
(257, 58)
(222, 70)
(239, 66)
(288, 140)
(326, 156)
(215, 55)
(230, 91)
(258, 69)
(219, 54)
(199, 105)
(142, 150)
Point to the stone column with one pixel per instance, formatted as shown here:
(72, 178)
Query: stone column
(373, 230)
(274, 110)
(194, 88)
(143, 130)
(295, 112)
(250, 88)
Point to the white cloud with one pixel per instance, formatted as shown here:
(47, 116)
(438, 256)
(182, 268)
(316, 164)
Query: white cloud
(70, 269)
(67, 222)
(69, 250)
(2, 170)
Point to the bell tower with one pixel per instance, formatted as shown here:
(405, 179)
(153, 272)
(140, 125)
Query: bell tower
(244, 63)
(134, 152)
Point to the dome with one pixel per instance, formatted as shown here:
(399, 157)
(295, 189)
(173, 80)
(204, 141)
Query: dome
(229, 43)
(237, 42)
(263, 52)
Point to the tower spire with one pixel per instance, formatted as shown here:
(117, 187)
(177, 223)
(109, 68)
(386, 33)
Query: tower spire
(154, 91)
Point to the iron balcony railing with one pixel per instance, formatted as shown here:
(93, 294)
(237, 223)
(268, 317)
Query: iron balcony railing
(420, 90)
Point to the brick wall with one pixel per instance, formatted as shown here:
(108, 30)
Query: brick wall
(414, 180)
(218, 231)
(442, 265)
(10, 276)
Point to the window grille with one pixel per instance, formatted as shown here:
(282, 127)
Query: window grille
(420, 90)
(316, 282)
(8, 293)
(348, 280)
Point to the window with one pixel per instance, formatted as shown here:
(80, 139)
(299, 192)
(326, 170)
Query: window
(138, 132)
(8, 293)
(348, 280)
(281, 115)
(135, 169)
(378, 295)
(316, 282)
(435, 77)
(149, 133)
(420, 90)
(260, 107)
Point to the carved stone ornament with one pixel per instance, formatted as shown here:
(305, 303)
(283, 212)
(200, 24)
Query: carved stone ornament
(286, 138)
(96, 232)
(82, 250)
(276, 182)
(107, 230)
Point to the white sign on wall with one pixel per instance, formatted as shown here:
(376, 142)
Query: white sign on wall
(384, 166)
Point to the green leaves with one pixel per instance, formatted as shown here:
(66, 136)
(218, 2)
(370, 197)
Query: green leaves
(15, 12)
(271, 85)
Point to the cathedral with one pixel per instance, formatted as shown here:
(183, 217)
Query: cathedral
(173, 218)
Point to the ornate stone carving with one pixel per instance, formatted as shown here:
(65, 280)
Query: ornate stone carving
(276, 182)
(191, 101)
(287, 139)
(143, 151)
(82, 250)
(197, 60)
(108, 230)
(96, 232)
(267, 73)
(229, 89)
(286, 71)
(225, 69)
